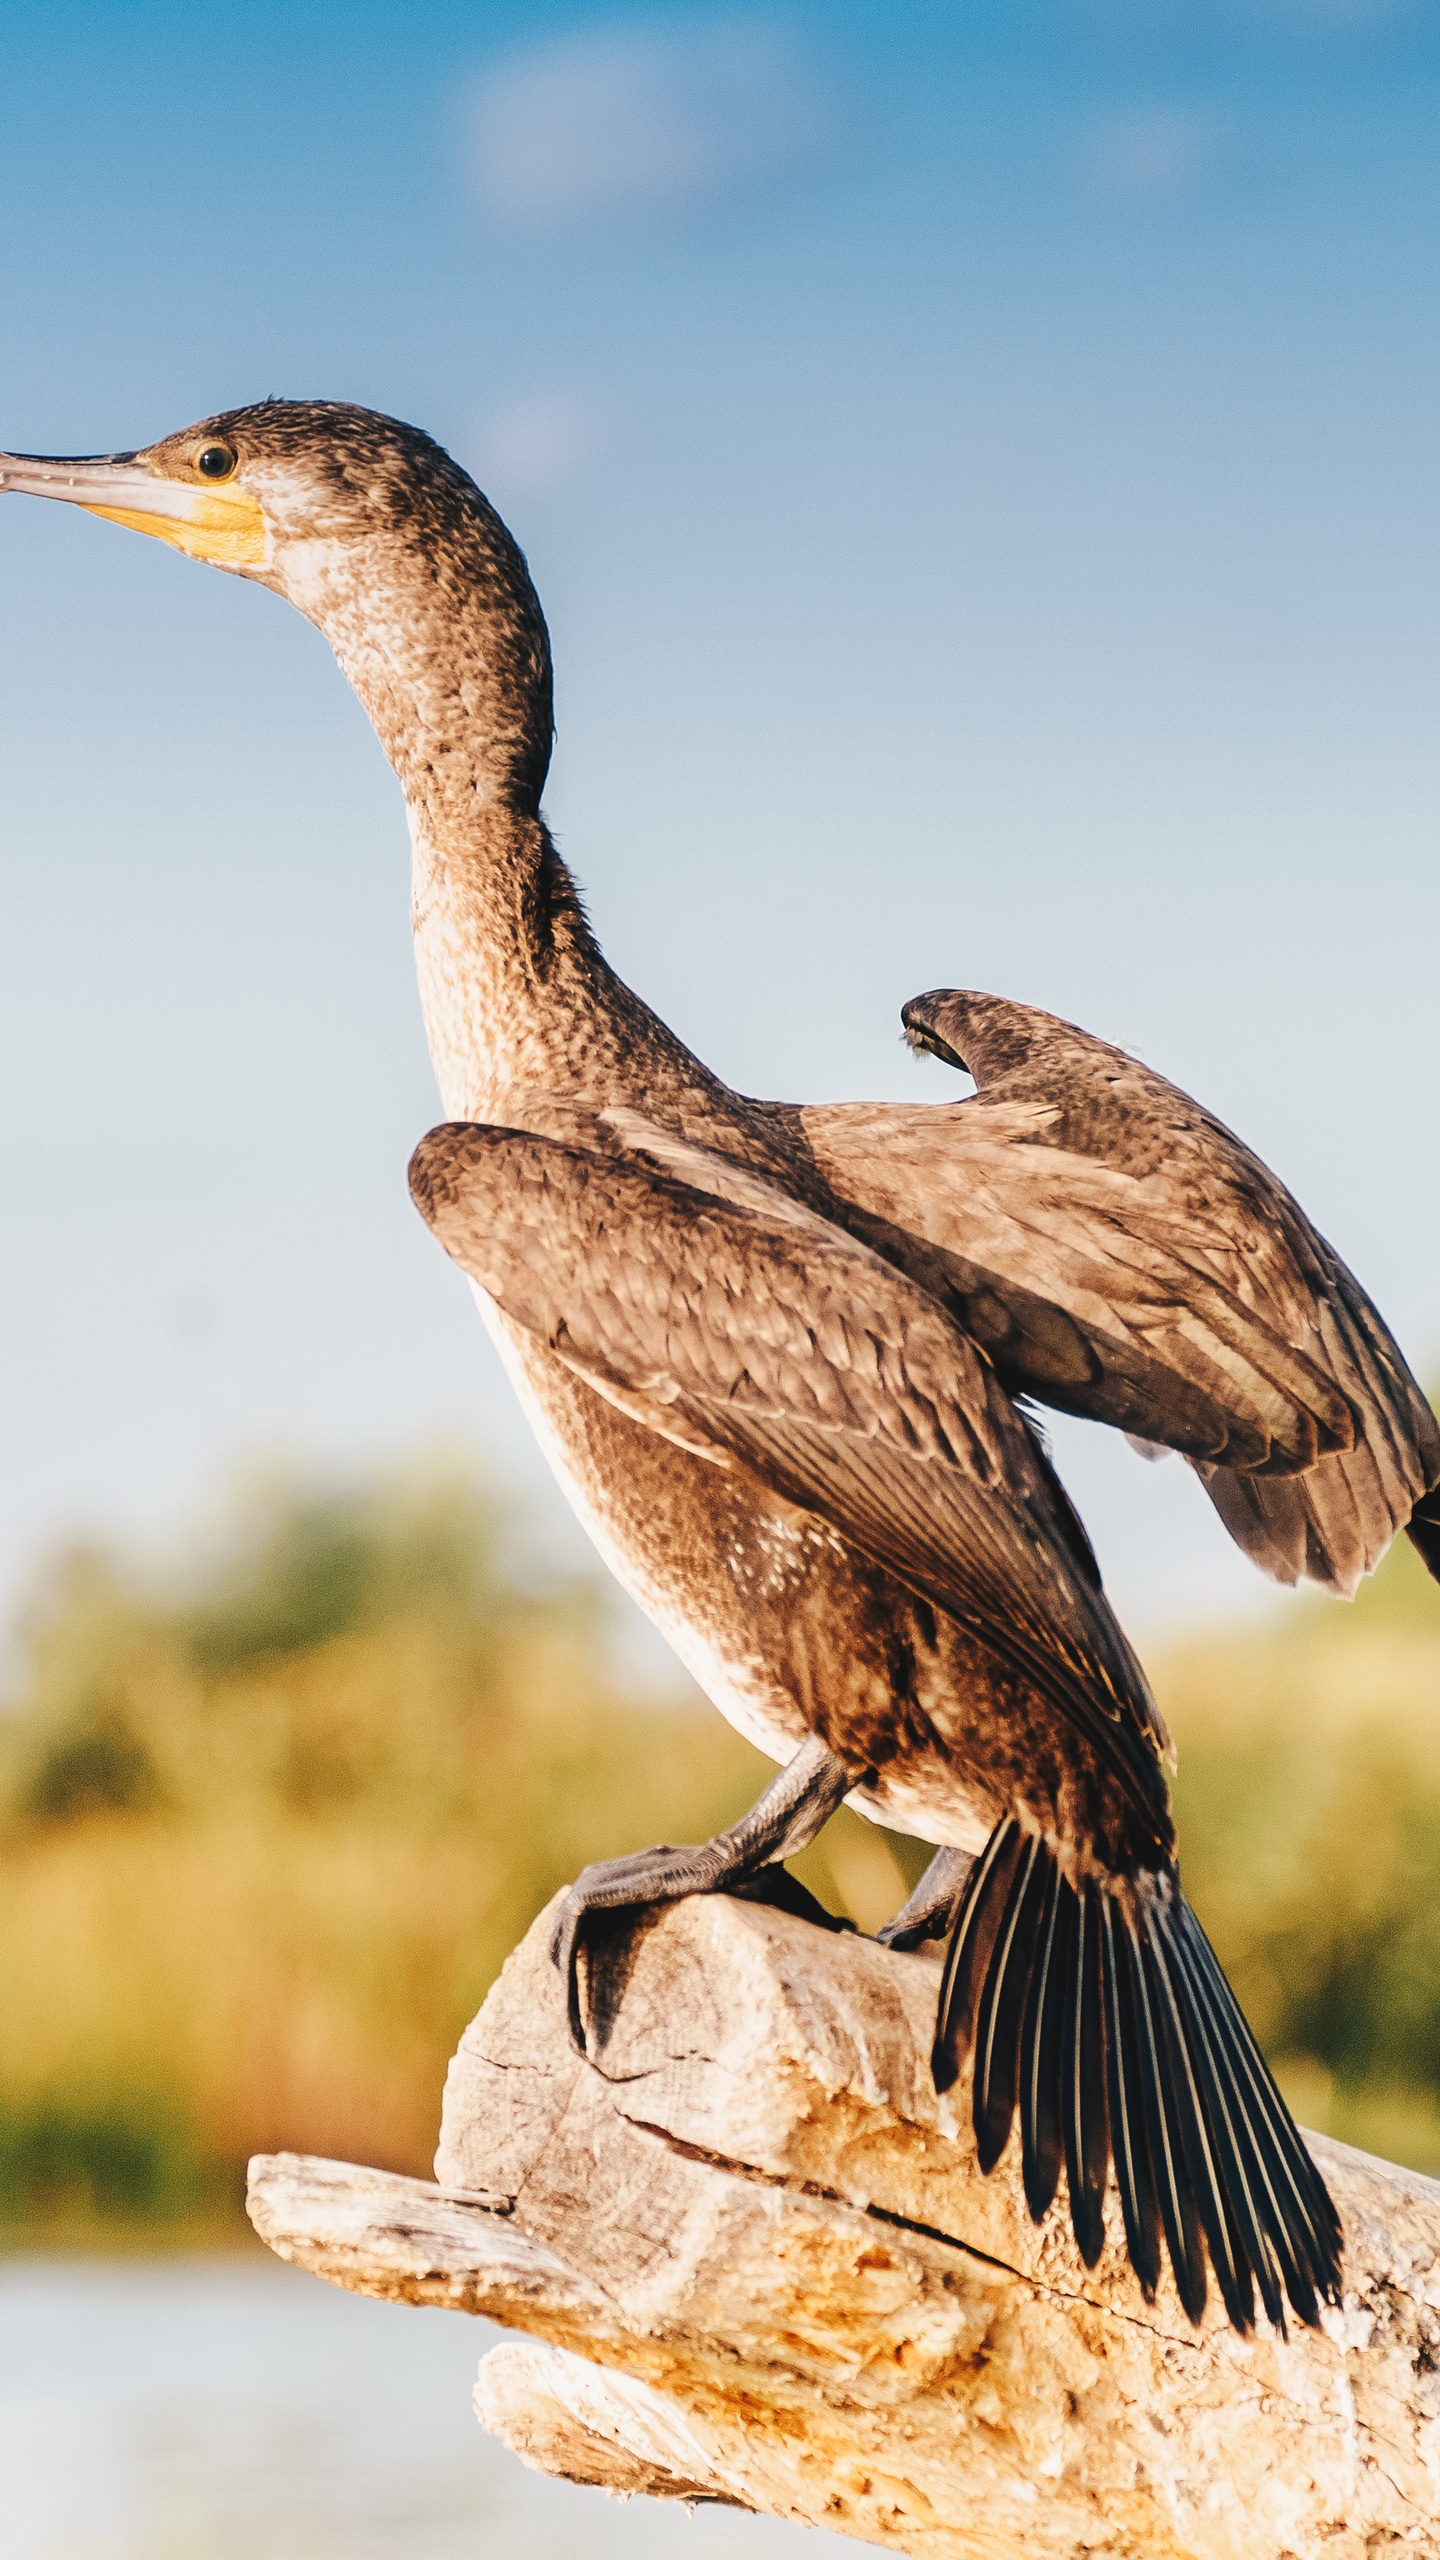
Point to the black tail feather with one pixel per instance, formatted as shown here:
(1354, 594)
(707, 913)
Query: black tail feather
(977, 1926)
(1425, 1529)
(1232, 2144)
(1299, 2187)
(1104, 2014)
(1082, 2063)
(1001, 2014)
(1130, 2143)
(1042, 2132)
(1296, 2211)
(1202, 2200)
(1285, 2226)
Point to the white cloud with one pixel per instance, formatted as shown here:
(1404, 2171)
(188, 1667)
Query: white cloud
(1162, 153)
(644, 119)
(535, 443)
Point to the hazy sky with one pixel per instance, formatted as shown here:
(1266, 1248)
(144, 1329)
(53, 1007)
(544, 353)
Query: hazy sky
(980, 469)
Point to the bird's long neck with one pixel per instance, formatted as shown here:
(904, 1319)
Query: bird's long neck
(516, 995)
(446, 647)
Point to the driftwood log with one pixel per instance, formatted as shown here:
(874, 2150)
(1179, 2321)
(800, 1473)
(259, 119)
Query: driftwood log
(756, 2261)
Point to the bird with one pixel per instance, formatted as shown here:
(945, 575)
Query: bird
(798, 1434)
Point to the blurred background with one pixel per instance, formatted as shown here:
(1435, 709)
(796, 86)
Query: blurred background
(979, 466)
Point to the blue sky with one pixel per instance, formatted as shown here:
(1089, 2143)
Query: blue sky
(980, 471)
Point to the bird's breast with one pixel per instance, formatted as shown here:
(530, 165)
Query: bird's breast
(786, 1630)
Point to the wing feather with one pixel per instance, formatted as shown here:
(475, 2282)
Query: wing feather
(1123, 1255)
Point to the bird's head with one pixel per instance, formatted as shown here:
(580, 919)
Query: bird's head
(365, 524)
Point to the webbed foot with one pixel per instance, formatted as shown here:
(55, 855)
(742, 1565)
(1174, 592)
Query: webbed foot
(934, 1906)
(797, 1804)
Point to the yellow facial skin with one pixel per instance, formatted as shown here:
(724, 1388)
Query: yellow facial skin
(167, 495)
(226, 526)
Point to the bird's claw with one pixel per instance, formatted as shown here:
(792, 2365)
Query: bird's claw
(903, 1942)
(599, 1887)
(934, 1906)
(780, 1891)
(650, 1877)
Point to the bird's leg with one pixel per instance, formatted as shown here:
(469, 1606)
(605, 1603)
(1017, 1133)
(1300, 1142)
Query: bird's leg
(932, 1907)
(793, 1808)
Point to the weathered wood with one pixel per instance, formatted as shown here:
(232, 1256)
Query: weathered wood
(757, 2261)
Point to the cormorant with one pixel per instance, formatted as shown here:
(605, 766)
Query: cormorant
(762, 1364)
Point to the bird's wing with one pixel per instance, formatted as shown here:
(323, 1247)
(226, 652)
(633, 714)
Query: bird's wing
(735, 1320)
(1122, 1255)
(1171, 1313)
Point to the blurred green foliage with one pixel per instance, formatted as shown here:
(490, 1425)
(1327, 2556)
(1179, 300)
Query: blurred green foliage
(267, 1833)
(1308, 1794)
(268, 1830)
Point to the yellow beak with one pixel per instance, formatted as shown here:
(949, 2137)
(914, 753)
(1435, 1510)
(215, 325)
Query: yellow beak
(223, 525)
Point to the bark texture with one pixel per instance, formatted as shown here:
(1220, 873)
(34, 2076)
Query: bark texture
(757, 2261)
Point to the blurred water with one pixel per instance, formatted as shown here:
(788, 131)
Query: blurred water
(236, 2409)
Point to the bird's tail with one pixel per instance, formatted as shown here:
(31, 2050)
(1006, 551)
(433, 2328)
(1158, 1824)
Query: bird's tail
(1105, 2017)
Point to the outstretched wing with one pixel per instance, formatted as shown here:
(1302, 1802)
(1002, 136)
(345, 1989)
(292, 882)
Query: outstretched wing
(1122, 1255)
(749, 1328)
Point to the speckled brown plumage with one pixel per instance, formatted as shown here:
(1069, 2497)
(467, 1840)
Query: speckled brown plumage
(721, 1316)
(769, 1376)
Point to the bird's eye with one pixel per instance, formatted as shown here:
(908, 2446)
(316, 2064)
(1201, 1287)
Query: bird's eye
(215, 461)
